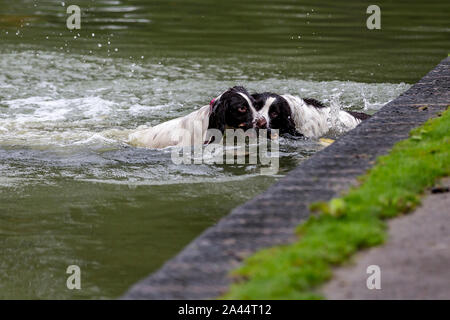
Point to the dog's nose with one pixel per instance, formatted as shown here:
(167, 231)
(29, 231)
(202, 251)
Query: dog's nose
(261, 123)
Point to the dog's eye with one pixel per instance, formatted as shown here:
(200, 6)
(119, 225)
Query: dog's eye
(273, 114)
(242, 109)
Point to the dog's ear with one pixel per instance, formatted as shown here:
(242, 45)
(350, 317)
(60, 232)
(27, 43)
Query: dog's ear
(289, 126)
(217, 116)
(291, 129)
(258, 100)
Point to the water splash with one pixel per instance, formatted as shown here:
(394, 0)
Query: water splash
(83, 118)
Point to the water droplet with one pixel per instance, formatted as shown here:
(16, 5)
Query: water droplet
(93, 34)
(142, 57)
(116, 49)
(99, 45)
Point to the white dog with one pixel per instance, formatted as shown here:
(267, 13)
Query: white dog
(232, 109)
(303, 117)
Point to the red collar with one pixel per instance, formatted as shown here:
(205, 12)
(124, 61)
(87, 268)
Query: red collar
(211, 105)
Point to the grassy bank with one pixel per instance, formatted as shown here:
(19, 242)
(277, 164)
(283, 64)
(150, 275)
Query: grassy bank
(355, 221)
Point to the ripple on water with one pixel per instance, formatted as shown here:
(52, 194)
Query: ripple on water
(80, 123)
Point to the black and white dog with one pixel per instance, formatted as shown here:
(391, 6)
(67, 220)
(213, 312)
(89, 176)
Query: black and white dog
(303, 117)
(232, 109)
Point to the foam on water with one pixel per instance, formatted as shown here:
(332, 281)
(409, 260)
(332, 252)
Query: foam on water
(72, 191)
(83, 115)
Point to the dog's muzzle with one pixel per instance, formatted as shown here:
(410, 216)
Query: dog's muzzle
(260, 123)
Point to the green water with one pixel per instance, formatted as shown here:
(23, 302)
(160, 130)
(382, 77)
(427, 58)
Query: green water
(73, 192)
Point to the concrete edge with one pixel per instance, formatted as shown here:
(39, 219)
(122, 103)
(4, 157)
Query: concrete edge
(200, 270)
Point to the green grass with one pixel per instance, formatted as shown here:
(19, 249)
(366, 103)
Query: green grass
(340, 227)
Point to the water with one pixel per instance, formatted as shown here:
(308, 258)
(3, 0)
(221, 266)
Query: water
(72, 191)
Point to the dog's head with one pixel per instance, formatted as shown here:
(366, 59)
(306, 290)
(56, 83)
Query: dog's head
(277, 112)
(235, 109)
